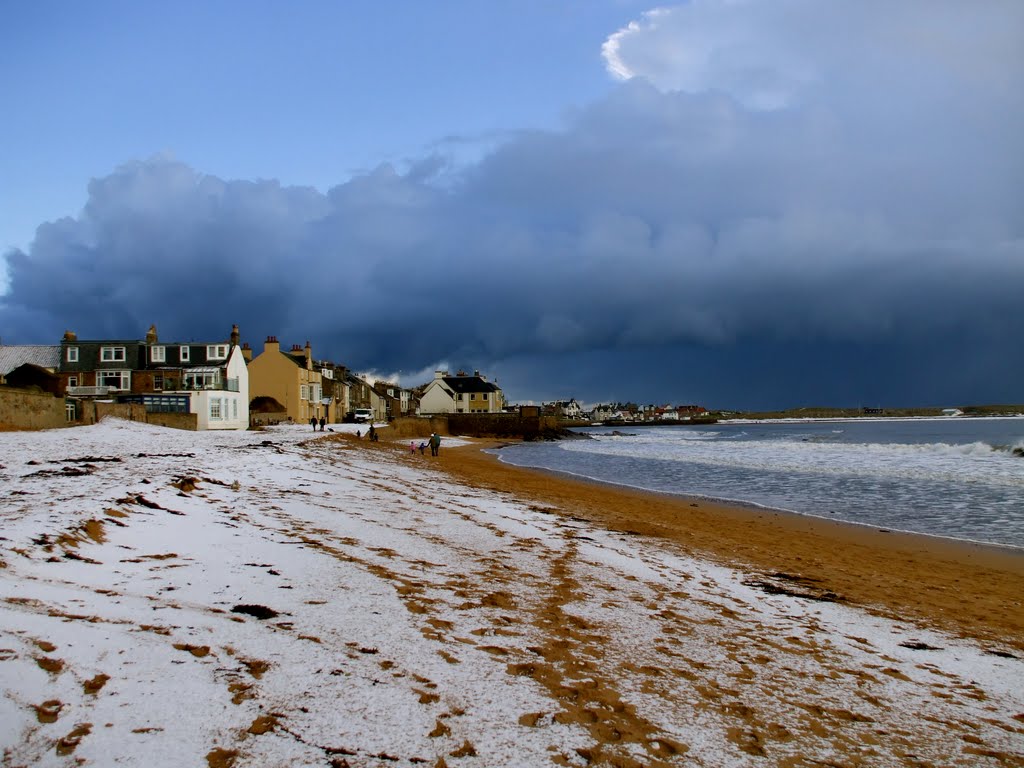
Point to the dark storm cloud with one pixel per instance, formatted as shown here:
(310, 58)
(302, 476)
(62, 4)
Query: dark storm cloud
(665, 246)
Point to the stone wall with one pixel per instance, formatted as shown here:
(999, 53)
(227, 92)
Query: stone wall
(188, 421)
(417, 426)
(24, 409)
(501, 425)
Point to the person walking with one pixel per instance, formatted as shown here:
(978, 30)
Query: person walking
(323, 423)
(435, 443)
(312, 421)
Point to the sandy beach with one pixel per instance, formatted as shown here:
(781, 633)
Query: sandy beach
(975, 590)
(284, 598)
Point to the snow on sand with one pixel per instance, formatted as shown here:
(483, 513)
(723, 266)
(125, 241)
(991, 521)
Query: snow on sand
(279, 598)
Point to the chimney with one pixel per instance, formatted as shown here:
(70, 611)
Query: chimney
(309, 356)
(246, 352)
(70, 336)
(234, 335)
(151, 335)
(271, 345)
(440, 374)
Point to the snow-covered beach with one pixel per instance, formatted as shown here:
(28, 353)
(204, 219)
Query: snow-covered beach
(283, 598)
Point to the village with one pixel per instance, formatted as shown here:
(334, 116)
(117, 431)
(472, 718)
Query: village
(223, 384)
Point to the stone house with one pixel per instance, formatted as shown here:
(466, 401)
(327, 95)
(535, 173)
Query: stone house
(290, 378)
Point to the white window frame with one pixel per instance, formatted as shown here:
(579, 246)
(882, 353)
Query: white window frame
(216, 409)
(72, 354)
(112, 354)
(234, 408)
(303, 392)
(216, 351)
(72, 381)
(183, 352)
(158, 354)
(103, 377)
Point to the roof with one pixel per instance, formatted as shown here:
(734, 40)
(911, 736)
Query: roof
(42, 355)
(461, 384)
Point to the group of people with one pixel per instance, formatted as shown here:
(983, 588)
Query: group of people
(314, 423)
(434, 442)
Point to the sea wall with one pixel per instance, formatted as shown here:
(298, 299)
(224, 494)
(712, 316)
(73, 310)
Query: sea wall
(25, 409)
(500, 425)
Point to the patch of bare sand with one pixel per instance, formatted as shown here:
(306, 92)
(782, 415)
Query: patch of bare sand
(975, 591)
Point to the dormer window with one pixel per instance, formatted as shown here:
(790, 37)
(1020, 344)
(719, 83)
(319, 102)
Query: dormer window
(158, 354)
(112, 354)
(72, 354)
(184, 354)
(216, 351)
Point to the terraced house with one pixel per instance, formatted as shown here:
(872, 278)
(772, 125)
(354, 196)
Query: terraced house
(209, 379)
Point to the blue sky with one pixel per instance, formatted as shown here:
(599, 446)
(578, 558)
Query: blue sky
(743, 203)
(307, 93)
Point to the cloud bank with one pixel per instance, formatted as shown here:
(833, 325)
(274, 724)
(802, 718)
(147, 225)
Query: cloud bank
(784, 203)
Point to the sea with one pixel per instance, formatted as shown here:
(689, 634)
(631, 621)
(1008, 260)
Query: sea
(952, 477)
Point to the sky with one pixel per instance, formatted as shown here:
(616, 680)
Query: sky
(738, 203)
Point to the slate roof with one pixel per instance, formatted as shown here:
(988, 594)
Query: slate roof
(466, 384)
(43, 355)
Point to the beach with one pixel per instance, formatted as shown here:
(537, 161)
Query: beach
(976, 590)
(290, 598)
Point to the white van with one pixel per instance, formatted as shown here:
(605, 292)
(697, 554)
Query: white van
(362, 414)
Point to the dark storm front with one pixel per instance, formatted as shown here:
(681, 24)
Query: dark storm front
(959, 478)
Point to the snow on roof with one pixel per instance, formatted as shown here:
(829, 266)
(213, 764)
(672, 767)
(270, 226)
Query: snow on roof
(170, 596)
(43, 355)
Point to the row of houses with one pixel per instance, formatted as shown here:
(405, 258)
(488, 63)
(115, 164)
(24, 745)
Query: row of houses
(571, 410)
(226, 386)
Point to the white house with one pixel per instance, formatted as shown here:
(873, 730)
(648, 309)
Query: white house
(219, 395)
(461, 393)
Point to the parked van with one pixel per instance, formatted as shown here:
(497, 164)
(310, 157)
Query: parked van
(362, 414)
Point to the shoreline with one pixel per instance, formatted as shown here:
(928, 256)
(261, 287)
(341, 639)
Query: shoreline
(974, 590)
(754, 506)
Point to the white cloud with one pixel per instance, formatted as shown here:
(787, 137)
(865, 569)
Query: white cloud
(768, 54)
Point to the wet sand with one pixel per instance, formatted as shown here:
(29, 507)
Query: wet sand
(975, 591)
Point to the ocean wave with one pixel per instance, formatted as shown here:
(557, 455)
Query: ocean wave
(976, 462)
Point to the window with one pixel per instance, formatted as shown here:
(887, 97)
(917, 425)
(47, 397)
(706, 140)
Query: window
(202, 379)
(303, 392)
(70, 412)
(184, 354)
(112, 354)
(158, 382)
(72, 381)
(72, 354)
(158, 354)
(234, 408)
(114, 379)
(216, 351)
(215, 412)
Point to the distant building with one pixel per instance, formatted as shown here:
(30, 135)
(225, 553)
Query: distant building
(461, 393)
